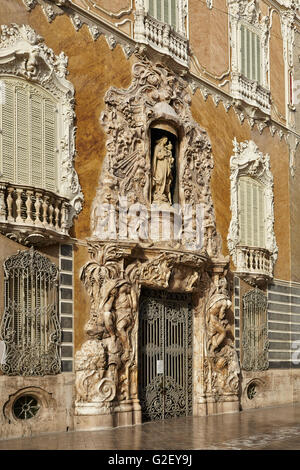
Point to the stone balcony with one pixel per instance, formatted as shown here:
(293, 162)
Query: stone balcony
(33, 216)
(254, 263)
(161, 37)
(251, 92)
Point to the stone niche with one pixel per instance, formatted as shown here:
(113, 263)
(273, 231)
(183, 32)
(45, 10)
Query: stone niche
(157, 169)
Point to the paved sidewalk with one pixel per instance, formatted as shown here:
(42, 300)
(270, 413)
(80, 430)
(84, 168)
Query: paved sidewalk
(269, 428)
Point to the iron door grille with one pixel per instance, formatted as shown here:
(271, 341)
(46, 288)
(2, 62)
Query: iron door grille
(165, 355)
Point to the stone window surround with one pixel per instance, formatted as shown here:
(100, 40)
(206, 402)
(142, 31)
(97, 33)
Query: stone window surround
(249, 161)
(242, 88)
(24, 54)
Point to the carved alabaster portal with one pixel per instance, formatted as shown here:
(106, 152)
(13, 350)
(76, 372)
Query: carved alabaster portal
(148, 167)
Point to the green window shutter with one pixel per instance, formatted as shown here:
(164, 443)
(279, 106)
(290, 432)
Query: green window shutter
(22, 141)
(8, 142)
(36, 110)
(49, 145)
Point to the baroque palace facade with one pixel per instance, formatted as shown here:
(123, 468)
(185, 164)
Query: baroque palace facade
(149, 210)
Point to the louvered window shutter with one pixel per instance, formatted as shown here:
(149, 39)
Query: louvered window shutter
(173, 14)
(49, 141)
(22, 145)
(7, 135)
(250, 48)
(251, 213)
(164, 10)
(28, 139)
(36, 108)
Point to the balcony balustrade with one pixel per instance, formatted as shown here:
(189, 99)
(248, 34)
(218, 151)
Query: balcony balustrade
(254, 262)
(161, 36)
(251, 92)
(31, 214)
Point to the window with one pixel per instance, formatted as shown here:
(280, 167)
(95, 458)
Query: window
(249, 37)
(251, 212)
(251, 237)
(28, 140)
(250, 63)
(30, 326)
(255, 331)
(164, 10)
(37, 133)
(163, 25)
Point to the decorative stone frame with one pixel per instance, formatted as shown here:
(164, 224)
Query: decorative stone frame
(45, 400)
(246, 12)
(106, 366)
(23, 54)
(249, 161)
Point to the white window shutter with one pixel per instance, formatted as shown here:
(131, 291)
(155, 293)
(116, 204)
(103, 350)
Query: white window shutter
(173, 14)
(36, 111)
(243, 50)
(49, 145)
(8, 141)
(242, 212)
(158, 10)
(258, 58)
(166, 11)
(151, 7)
(251, 213)
(22, 144)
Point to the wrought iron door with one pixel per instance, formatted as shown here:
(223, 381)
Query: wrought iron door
(165, 355)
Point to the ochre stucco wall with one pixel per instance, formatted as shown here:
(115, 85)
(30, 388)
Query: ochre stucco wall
(93, 68)
(277, 82)
(209, 37)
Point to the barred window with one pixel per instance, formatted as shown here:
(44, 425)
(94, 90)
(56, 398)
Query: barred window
(251, 212)
(164, 10)
(30, 325)
(255, 341)
(250, 54)
(28, 138)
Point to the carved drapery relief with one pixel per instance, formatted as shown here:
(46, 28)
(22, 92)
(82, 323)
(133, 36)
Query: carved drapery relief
(155, 94)
(249, 161)
(24, 54)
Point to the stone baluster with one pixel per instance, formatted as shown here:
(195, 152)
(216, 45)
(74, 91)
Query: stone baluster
(51, 210)
(37, 206)
(28, 203)
(64, 218)
(57, 212)
(2, 203)
(10, 202)
(45, 210)
(19, 219)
